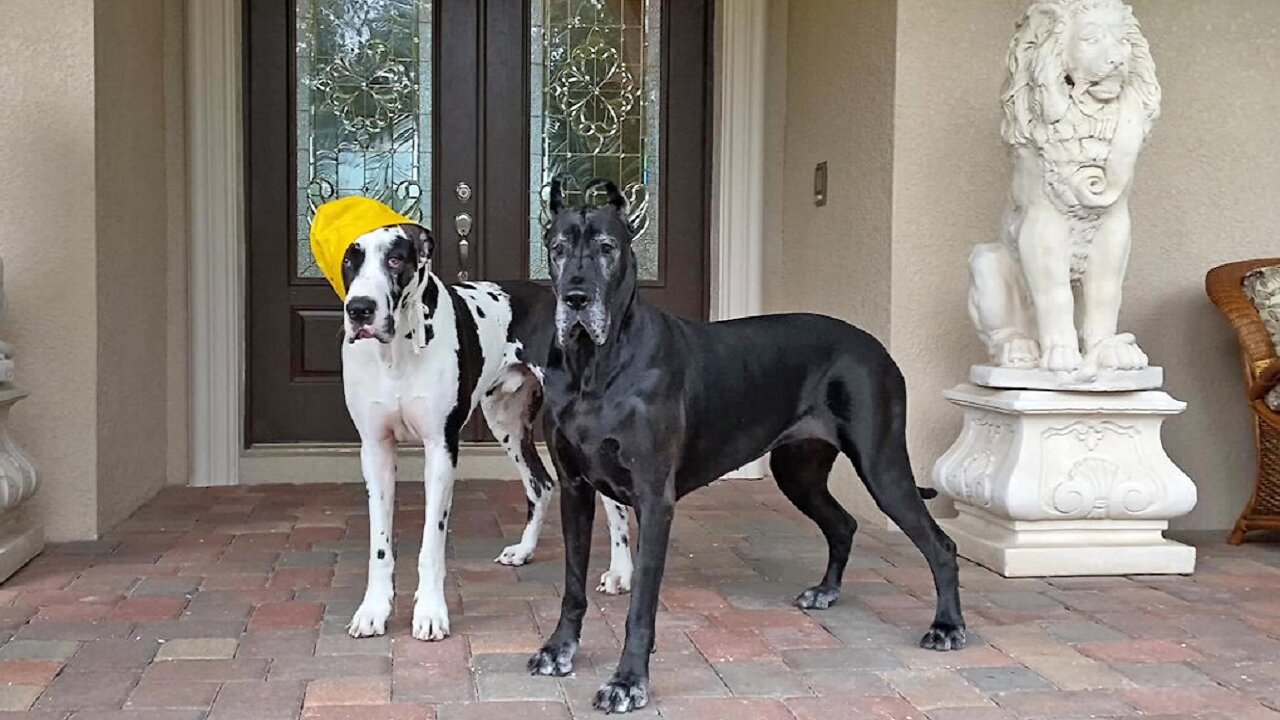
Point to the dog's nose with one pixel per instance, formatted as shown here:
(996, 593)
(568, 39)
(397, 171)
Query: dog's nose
(576, 299)
(360, 309)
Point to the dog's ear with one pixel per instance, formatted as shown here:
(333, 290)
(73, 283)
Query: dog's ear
(423, 242)
(556, 202)
(613, 196)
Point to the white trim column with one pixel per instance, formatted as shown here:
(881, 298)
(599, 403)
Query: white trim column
(738, 220)
(215, 215)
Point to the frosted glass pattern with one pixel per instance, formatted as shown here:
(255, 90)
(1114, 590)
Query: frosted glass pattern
(363, 106)
(594, 85)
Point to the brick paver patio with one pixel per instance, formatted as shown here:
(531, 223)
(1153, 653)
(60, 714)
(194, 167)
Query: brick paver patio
(231, 604)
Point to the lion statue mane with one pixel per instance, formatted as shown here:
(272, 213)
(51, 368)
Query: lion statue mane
(1080, 99)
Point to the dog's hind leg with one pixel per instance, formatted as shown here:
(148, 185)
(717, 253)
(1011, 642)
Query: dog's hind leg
(800, 469)
(617, 579)
(510, 407)
(875, 440)
(378, 464)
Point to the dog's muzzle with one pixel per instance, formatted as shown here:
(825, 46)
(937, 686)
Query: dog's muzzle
(576, 309)
(362, 321)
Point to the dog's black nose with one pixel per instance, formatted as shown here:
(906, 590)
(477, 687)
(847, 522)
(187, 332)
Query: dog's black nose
(360, 309)
(576, 299)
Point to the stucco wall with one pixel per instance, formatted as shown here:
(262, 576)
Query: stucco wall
(132, 254)
(1203, 197)
(85, 201)
(47, 239)
(837, 94)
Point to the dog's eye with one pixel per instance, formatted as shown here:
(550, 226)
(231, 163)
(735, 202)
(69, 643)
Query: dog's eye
(607, 247)
(394, 263)
(557, 250)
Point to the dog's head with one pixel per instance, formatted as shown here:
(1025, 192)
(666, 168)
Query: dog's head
(591, 262)
(377, 270)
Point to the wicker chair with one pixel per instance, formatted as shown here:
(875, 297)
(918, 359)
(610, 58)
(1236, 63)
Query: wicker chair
(1261, 372)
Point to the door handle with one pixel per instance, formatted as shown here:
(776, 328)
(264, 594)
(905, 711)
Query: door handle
(462, 225)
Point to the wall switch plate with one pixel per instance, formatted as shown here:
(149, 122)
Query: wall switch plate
(820, 184)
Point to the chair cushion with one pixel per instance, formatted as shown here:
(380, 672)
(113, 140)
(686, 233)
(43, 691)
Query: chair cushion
(1263, 288)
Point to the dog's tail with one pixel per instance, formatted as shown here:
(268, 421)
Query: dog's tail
(927, 493)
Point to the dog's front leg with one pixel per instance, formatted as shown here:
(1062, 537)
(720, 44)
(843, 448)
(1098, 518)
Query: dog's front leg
(430, 612)
(378, 463)
(577, 514)
(629, 687)
(617, 579)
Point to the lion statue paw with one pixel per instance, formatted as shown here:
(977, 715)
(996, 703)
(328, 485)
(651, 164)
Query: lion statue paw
(1020, 351)
(1118, 352)
(1062, 357)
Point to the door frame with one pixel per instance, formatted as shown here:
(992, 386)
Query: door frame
(215, 187)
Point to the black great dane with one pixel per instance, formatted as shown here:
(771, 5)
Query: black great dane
(645, 407)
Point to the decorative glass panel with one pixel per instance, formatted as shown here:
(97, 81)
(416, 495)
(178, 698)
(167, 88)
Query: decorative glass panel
(594, 81)
(364, 107)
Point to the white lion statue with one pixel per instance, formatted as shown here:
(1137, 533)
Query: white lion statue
(1079, 102)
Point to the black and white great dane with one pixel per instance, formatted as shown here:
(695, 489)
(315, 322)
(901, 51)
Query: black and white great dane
(645, 407)
(418, 356)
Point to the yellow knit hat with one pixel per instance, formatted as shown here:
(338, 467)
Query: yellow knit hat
(340, 223)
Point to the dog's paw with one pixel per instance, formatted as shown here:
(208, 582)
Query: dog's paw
(553, 659)
(370, 618)
(613, 582)
(943, 637)
(817, 598)
(515, 555)
(622, 694)
(430, 619)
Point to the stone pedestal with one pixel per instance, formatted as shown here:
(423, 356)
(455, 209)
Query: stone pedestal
(21, 535)
(1065, 483)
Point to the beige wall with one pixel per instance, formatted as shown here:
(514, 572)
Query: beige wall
(132, 254)
(834, 104)
(1202, 198)
(86, 196)
(47, 239)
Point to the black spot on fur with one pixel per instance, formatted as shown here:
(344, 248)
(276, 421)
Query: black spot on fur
(382, 554)
(480, 312)
(408, 335)
(446, 515)
(528, 515)
(351, 263)
(428, 334)
(506, 439)
(494, 296)
(466, 285)
(492, 389)
(470, 362)
(431, 297)
(441, 526)
(422, 274)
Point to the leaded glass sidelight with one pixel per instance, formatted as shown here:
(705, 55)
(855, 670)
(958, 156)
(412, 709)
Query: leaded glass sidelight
(363, 106)
(594, 82)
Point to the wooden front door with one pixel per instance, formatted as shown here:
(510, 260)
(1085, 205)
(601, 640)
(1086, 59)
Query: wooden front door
(458, 112)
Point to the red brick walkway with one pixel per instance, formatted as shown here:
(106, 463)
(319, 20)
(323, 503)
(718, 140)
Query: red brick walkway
(231, 604)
